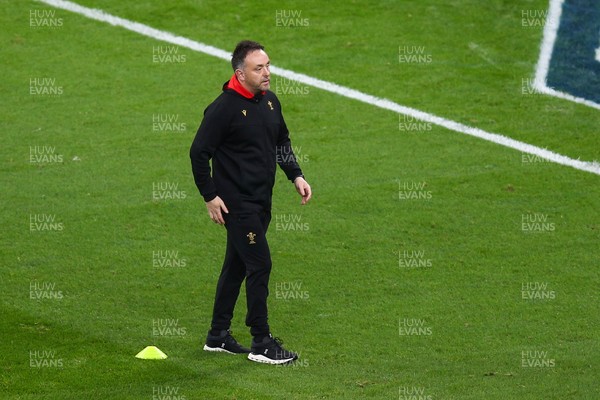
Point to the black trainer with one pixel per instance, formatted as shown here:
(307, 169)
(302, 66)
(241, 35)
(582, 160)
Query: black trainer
(224, 343)
(269, 351)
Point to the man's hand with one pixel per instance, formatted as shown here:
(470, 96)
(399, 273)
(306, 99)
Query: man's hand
(215, 206)
(303, 189)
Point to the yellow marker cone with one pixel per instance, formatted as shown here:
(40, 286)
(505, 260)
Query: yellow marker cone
(151, 353)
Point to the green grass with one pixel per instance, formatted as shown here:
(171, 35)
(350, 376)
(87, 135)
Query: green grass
(347, 331)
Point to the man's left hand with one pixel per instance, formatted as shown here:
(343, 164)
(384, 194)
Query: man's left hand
(303, 188)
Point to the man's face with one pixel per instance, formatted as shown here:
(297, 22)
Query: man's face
(255, 74)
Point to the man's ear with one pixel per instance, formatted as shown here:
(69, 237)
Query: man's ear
(240, 75)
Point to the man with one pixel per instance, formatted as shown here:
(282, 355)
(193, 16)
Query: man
(244, 134)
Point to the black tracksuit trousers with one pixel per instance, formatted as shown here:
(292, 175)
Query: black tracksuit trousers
(247, 256)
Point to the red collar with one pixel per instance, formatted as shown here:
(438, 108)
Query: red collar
(235, 85)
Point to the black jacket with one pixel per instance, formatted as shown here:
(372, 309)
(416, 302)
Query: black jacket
(245, 138)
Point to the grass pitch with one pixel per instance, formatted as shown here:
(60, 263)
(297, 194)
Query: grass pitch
(428, 263)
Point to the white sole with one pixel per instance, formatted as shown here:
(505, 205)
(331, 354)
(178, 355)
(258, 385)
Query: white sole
(265, 360)
(217, 350)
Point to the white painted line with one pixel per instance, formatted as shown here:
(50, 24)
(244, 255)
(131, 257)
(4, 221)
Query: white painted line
(541, 72)
(142, 29)
(550, 31)
(593, 167)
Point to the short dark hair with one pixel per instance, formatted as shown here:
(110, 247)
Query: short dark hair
(241, 51)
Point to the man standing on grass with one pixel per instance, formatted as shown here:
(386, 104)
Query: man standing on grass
(245, 135)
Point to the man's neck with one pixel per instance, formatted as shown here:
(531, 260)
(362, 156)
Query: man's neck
(239, 88)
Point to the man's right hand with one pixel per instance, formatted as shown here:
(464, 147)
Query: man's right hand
(215, 208)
